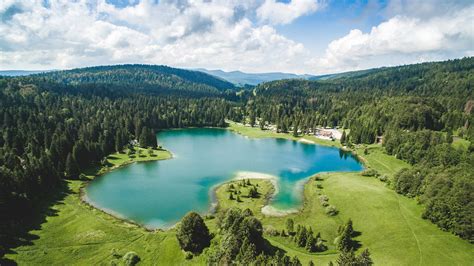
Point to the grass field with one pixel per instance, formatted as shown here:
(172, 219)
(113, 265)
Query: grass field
(390, 225)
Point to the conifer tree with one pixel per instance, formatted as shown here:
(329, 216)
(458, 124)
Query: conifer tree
(364, 258)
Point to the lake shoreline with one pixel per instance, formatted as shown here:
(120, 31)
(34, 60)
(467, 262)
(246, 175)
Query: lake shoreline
(266, 210)
(84, 199)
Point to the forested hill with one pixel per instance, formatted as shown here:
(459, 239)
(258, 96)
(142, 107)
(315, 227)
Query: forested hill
(429, 95)
(420, 79)
(148, 77)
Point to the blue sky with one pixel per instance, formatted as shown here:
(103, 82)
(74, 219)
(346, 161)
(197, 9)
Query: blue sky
(298, 36)
(334, 21)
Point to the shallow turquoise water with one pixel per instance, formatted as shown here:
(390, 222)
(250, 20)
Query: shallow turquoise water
(158, 194)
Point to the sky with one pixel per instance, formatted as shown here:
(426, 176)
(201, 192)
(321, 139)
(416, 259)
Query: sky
(295, 36)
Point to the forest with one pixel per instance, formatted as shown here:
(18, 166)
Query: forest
(58, 124)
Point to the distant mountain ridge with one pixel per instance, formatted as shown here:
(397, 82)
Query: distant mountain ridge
(219, 79)
(15, 73)
(241, 78)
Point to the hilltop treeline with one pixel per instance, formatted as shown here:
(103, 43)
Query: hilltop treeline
(140, 77)
(57, 121)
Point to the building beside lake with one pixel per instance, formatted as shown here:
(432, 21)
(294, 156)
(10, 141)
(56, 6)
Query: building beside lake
(328, 133)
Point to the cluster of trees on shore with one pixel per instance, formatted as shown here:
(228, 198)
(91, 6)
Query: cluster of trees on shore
(239, 240)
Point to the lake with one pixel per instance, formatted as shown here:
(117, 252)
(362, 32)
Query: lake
(157, 194)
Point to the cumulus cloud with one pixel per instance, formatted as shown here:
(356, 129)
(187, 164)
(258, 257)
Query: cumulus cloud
(403, 39)
(284, 13)
(198, 33)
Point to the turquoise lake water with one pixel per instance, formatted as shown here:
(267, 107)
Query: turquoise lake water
(158, 194)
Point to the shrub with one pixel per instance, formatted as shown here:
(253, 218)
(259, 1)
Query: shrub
(323, 199)
(271, 231)
(383, 178)
(115, 253)
(131, 258)
(369, 172)
(331, 210)
(188, 255)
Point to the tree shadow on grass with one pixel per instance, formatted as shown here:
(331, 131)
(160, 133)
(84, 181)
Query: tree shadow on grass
(355, 244)
(21, 217)
(270, 249)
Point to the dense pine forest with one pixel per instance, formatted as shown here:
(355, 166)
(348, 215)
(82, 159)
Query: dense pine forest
(56, 125)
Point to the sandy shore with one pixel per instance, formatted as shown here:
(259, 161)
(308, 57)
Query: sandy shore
(272, 211)
(267, 210)
(306, 141)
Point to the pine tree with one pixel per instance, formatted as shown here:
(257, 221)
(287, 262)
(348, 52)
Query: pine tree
(349, 228)
(343, 138)
(449, 137)
(301, 236)
(364, 258)
(143, 139)
(310, 243)
(253, 193)
(345, 242)
(290, 225)
(346, 257)
(247, 253)
(295, 261)
(72, 170)
(295, 129)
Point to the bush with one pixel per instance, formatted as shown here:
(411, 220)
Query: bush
(369, 172)
(188, 255)
(331, 210)
(383, 178)
(131, 258)
(271, 231)
(82, 177)
(323, 199)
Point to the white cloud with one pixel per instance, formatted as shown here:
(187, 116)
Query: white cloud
(402, 39)
(187, 33)
(225, 34)
(284, 13)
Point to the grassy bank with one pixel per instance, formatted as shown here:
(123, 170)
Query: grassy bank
(255, 132)
(390, 225)
(120, 159)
